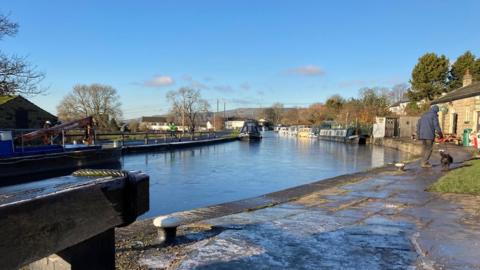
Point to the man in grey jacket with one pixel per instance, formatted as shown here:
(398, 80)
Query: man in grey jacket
(426, 128)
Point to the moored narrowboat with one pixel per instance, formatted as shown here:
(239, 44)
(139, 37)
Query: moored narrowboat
(339, 135)
(250, 131)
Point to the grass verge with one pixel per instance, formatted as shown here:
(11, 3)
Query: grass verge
(464, 180)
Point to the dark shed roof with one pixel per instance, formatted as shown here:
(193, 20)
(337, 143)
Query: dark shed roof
(5, 99)
(154, 119)
(460, 93)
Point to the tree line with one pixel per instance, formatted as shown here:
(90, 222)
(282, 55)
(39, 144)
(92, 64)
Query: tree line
(353, 111)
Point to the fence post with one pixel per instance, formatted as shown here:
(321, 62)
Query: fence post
(146, 137)
(63, 137)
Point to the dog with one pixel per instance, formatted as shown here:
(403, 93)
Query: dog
(446, 159)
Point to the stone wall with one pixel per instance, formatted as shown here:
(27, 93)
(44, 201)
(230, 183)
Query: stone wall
(35, 116)
(467, 111)
(404, 145)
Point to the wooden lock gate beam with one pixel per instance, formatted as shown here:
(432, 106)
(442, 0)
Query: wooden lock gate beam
(75, 222)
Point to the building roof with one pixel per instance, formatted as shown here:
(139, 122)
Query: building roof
(154, 119)
(403, 100)
(5, 99)
(460, 93)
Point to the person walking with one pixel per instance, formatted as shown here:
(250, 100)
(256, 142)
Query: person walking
(173, 130)
(426, 128)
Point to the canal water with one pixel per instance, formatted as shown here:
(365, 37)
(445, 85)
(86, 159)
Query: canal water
(198, 177)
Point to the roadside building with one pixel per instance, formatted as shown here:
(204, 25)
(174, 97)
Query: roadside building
(16, 112)
(398, 107)
(154, 122)
(209, 126)
(460, 109)
(234, 123)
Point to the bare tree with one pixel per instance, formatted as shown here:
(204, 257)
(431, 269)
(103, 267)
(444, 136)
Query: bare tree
(17, 75)
(274, 113)
(278, 111)
(398, 92)
(7, 28)
(187, 104)
(97, 100)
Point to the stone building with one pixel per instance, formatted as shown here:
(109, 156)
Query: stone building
(16, 112)
(460, 109)
(398, 107)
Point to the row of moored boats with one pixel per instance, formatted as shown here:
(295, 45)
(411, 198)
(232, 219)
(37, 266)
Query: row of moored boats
(339, 134)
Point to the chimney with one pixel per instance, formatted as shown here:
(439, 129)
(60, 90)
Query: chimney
(467, 78)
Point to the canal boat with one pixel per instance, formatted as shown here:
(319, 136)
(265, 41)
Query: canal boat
(250, 131)
(314, 132)
(293, 130)
(306, 132)
(339, 135)
(277, 128)
(26, 163)
(283, 131)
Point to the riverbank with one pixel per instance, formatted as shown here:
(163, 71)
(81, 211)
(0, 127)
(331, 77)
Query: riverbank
(377, 219)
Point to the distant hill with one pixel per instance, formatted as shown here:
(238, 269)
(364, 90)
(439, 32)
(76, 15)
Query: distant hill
(252, 113)
(243, 112)
(246, 112)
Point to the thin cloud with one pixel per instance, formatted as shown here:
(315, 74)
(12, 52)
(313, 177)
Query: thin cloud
(260, 93)
(243, 102)
(308, 70)
(159, 81)
(371, 82)
(193, 83)
(245, 86)
(352, 83)
(223, 88)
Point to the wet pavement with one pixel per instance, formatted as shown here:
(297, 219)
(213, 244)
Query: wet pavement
(381, 221)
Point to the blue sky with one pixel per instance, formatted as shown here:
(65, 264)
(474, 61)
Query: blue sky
(248, 53)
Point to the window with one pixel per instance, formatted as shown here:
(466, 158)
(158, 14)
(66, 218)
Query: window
(467, 114)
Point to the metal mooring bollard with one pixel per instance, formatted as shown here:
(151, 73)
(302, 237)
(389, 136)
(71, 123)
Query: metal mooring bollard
(167, 235)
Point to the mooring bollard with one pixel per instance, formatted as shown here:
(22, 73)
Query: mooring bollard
(167, 235)
(167, 228)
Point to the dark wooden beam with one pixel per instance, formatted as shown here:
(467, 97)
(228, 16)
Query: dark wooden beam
(39, 223)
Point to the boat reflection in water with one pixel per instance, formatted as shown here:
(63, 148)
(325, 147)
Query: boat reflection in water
(250, 131)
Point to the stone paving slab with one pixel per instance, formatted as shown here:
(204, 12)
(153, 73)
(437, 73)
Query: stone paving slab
(384, 221)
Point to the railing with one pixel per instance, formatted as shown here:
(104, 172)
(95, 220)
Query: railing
(117, 138)
(147, 137)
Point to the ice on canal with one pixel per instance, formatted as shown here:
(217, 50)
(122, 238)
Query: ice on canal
(197, 177)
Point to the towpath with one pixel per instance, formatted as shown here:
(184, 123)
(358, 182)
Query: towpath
(383, 220)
